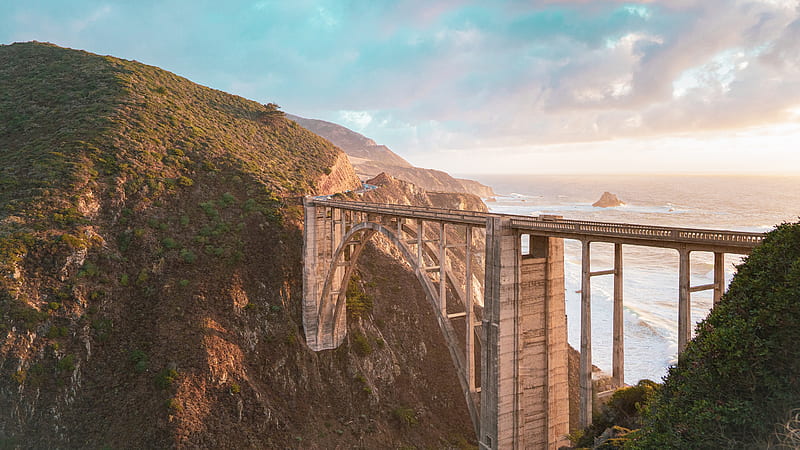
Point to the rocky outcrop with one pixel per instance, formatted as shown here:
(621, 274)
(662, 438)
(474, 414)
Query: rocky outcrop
(477, 188)
(396, 191)
(608, 200)
(341, 178)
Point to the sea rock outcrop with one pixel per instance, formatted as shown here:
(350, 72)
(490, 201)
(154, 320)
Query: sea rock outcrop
(608, 200)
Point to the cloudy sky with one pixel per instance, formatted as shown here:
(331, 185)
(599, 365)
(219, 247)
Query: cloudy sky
(537, 86)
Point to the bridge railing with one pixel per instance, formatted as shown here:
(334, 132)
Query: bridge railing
(650, 232)
(560, 226)
(407, 211)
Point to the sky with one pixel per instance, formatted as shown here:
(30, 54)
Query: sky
(537, 86)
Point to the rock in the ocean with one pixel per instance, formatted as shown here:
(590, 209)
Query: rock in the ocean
(608, 200)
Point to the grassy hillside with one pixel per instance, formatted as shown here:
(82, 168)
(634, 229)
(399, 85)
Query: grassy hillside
(150, 273)
(84, 136)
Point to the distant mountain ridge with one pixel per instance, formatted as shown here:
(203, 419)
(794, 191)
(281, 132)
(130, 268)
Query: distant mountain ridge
(370, 159)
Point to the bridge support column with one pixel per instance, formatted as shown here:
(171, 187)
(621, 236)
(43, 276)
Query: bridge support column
(323, 232)
(524, 387)
(618, 357)
(719, 276)
(469, 339)
(585, 371)
(684, 301)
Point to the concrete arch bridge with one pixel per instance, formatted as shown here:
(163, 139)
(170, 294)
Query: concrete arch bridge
(508, 345)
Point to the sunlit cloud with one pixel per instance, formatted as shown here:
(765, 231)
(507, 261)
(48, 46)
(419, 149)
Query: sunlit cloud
(431, 78)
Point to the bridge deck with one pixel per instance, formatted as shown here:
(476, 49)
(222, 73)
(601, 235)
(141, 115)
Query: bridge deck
(634, 234)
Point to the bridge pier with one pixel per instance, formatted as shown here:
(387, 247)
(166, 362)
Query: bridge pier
(618, 331)
(524, 387)
(684, 300)
(685, 290)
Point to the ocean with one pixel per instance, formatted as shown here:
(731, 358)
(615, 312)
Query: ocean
(650, 275)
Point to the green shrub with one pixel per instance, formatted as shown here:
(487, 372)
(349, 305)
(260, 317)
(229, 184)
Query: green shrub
(227, 199)
(210, 209)
(170, 243)
(358, 301)
(89, 270)
(74, 243)
(66, 364)
(165, 378)
(139, 360)
(102, 328)
(142, 277)
(19, 376)
(235, 388)
(123, 279)
(360, 344)
(124, 240)
(738, 378)
(173, 405)
(57, 332)
(621, 413)
(406, 416)
(188, 256)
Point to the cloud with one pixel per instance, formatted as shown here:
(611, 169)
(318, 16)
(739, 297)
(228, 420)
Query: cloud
(424, 76)
(355, 119)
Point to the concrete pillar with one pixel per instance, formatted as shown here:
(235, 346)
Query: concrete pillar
(469, 320)
(524, 391)
(442, 270)
(312, 282)
(420, 238)
(719, 276)
(618, 357)
(585, 372)
(320, 231)
(338, 284)
(684, 301)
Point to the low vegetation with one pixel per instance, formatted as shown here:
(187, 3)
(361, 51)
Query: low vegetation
(358, 301)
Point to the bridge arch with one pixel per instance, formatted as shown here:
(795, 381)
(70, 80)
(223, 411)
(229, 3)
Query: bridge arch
(325, 321)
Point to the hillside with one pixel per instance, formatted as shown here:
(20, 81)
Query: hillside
(370, 159)
(354, 144)
(150, 250)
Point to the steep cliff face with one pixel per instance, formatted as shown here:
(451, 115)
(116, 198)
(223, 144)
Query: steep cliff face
(475, 187)
(401, 192)
(339, 177)
(370, 159)
(150, 251)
